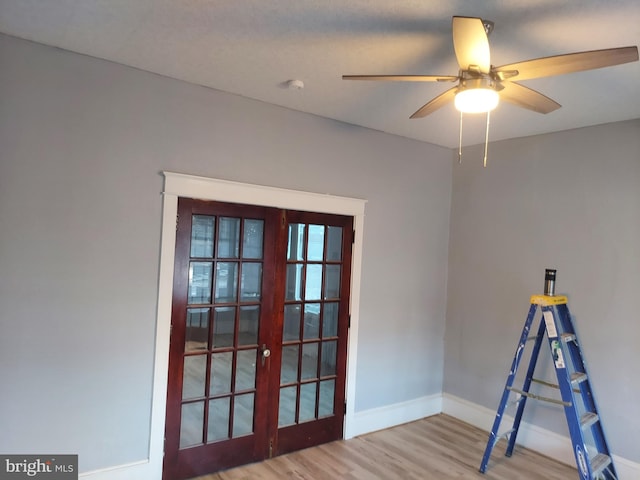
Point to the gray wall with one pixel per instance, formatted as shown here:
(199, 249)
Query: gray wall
(569, 201)
(82, 144)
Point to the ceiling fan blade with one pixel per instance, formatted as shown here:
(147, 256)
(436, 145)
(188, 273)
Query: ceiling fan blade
(403, 78)
(571, 62)
(527, 98)
(436, 103)
(471, 44)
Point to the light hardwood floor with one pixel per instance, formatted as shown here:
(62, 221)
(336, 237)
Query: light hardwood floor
(438, 447)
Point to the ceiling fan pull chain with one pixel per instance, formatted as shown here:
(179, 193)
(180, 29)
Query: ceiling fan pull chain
(486, 139)
(460, 144)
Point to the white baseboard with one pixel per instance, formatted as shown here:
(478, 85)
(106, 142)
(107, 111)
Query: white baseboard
(530, 436)
(368, 421)
(539, 439)
(141, 470)
(363, 422)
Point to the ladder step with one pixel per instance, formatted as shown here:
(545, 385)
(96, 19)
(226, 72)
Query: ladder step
(538, 397)
(503, 435)
(568, 337)
(578, 377)
(545, 383)
(588, 419)
(552, 385)
(599, 463)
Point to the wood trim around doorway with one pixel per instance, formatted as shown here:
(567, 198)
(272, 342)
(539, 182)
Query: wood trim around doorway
(181, 185)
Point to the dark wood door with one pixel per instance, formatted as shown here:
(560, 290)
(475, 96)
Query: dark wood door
(312, 337)
(257, 360)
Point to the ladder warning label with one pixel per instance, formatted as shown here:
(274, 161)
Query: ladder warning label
(558, 359)
(551, 325)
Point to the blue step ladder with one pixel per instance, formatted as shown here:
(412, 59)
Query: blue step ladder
(590, 448)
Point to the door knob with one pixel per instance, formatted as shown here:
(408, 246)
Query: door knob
(266, 353)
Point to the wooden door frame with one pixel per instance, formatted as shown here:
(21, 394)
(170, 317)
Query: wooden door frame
(181, 185)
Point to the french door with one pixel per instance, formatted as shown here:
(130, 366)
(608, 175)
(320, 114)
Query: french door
(257, 360)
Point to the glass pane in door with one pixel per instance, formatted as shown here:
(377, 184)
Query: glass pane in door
(248, 327)
(200, 278)
(194, 376)
(191, 424)
(226, 282)
(229, 238)
(332, 282)
(289, 369)
(252, 239)
(328, 363)
(218, 427)
(334, 244)
(315, 245)
(224, 321)
(243, 415)
(313, 284)
(294, 282)
(307, 402)
(250, 282)
(203, 229)
(295, 248)
(197, 329)
(246, 369)
(326, 397)
(287, 406)
(309, 361)
(330, 319)
(220, 381)
(311, 327)
(291, 327)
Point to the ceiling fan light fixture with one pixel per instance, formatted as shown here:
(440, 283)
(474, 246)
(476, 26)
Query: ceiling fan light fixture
(476, 100)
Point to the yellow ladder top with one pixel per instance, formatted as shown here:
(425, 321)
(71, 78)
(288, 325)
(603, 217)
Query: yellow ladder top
(549, 300)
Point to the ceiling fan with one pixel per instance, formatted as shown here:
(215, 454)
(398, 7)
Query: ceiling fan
(471, 45)
(481, 85)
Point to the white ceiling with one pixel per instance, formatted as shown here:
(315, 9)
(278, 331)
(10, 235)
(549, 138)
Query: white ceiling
(253, 47)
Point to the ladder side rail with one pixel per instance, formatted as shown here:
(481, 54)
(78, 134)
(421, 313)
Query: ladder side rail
(493, 435)
(596, 428)
(577, 359)
(586, 392)
(525, 387)
(558, 350)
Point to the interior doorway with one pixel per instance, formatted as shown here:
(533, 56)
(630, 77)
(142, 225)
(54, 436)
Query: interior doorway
(258, 350)
(182, 185)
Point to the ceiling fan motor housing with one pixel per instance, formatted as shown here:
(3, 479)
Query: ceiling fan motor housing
(469, 82)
